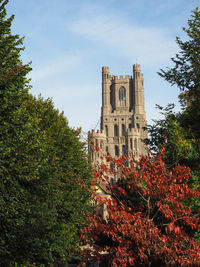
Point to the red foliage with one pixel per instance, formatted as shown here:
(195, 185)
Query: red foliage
(147, 222)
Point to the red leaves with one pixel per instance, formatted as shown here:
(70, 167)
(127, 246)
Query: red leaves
(94, 181)
(131, 261)
(121, 191)
(99, 199)
(145, 219)
(177, 230)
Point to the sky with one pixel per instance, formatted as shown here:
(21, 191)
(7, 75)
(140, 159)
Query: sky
(68, 42)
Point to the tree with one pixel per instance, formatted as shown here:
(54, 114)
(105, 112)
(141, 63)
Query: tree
(179, 143)
(64, 166)
(186, 75)
(180, 131)
(147, 220)
(42, 206)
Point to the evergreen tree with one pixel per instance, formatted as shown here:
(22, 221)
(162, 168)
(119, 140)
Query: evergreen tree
(186, 75)
(180, 132)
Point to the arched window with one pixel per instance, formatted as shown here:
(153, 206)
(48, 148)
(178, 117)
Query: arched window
(123, 150)
(131, 143)
(123, 130)
(135, 144)
(117, 151)
(116, 130)
(122, 93)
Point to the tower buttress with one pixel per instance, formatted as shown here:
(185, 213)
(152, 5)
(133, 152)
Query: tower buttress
(138, 85)
(106, 107)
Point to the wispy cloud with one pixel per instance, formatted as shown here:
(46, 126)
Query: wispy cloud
(148, 44)
(59, 65)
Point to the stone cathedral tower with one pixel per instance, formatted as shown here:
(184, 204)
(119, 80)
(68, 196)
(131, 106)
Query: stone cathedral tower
(123, 116)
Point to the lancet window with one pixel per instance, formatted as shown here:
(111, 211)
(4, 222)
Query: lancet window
(123, 150)
(117, 151)
(123, 130)
(122, 93)
(116, 130)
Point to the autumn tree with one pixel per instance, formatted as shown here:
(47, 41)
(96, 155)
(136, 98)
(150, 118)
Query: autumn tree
(146, 221)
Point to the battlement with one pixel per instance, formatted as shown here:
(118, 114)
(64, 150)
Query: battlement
(121, 77)
(97, 134)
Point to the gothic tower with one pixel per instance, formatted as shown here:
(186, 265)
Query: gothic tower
(123, 116)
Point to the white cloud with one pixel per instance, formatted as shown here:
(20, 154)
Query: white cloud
(148, 44)
(71, 92)
(59, 65)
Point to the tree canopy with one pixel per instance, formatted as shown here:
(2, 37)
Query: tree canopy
(147, 221)
(41, 206)
(180, 132)
(186, 74)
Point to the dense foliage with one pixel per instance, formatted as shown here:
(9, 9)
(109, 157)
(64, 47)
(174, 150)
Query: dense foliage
(186, 75)
(147, 221)
(41, 206)
(181, 131)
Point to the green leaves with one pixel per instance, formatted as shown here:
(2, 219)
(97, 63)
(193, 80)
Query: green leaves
(186, 74)
(180, 132)
(41, 206)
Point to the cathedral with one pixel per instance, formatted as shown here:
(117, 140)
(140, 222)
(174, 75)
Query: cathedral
(123, 117)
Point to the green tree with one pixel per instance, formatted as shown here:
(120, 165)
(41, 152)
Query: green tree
(42, 161)
(180, 132)
(186, 75)
(64, 166)
(13, 92)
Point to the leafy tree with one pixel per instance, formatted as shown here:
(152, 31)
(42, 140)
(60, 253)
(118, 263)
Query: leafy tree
(185, 125)
(181, 131)
(185, 75)
(41, 158)
(180, 145)
(147, 220)
(65, 165)
(13, 91)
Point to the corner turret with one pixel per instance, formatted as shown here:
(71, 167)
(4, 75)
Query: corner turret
(105, 73)
(138, 85)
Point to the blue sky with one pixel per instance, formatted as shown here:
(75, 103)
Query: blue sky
(68, 41)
